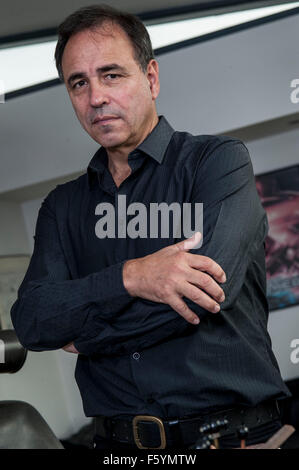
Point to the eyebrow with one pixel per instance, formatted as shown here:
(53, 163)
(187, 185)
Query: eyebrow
(105, 68)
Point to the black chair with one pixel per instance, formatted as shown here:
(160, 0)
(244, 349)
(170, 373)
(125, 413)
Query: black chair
(21, 425)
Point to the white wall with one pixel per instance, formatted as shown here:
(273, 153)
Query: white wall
(50, 142)
(13, 236)
(277, 151)
(234, 81)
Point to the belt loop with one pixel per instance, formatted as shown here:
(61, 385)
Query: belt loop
(102, 427)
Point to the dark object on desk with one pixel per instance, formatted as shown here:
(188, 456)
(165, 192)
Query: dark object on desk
(83, 439)
(21, 425)
(12, 353)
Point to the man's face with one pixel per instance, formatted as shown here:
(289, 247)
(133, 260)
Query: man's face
(104, 81)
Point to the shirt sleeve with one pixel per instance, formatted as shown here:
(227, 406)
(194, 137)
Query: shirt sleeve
(235, 223)
(52, 309)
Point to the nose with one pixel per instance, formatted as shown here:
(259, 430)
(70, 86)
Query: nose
(98, 93)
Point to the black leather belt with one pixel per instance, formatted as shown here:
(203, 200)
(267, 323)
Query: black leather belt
(151, 432)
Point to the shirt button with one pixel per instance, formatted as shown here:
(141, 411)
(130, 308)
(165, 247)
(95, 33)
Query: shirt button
(136, 356)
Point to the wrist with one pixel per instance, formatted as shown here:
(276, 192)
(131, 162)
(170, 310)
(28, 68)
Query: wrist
(130, 276)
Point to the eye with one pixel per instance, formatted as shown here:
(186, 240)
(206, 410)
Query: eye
(113, 76)
(78, 84)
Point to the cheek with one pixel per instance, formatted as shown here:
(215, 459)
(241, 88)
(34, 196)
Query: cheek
(129, 96)
(124, 97)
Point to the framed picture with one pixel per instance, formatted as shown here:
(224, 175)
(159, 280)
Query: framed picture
(279, 193)
(12, 272)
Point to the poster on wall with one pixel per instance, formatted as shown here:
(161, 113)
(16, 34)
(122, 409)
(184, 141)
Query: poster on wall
(279, 193)
(12, 272)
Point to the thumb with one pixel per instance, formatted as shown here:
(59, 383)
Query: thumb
(189, 243)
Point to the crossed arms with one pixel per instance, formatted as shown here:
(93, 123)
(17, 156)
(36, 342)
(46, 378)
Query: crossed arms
(92, 315)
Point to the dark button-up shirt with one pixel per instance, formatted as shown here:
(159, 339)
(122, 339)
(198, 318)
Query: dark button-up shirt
(138, 356)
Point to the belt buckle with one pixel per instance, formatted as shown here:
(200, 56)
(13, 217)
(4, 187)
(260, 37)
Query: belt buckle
(154, 419)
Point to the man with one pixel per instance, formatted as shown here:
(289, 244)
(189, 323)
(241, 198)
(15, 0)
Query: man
(129, 306)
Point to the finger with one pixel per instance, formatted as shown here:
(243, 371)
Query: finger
(189, 243)
(207, 283)
(199, 297)
(70, 348)
(204, 263)
(180, 307)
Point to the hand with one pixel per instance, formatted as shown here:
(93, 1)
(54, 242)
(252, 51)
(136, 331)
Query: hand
(70, 348)
(172, 273)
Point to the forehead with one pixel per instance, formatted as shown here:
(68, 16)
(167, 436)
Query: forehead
(102, 43)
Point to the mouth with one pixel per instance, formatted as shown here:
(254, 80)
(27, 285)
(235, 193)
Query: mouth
(104, 120)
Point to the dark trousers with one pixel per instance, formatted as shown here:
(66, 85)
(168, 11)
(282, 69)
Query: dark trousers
(256, 435)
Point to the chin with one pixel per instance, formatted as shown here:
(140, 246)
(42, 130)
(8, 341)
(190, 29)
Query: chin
(108, 143)
(110, 140)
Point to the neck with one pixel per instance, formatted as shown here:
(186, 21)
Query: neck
(118, 157)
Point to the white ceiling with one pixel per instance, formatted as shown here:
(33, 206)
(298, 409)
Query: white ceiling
(18, 16)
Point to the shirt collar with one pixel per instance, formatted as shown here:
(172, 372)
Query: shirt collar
(154, 145)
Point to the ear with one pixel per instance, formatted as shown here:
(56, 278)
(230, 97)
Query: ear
(153, 77)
